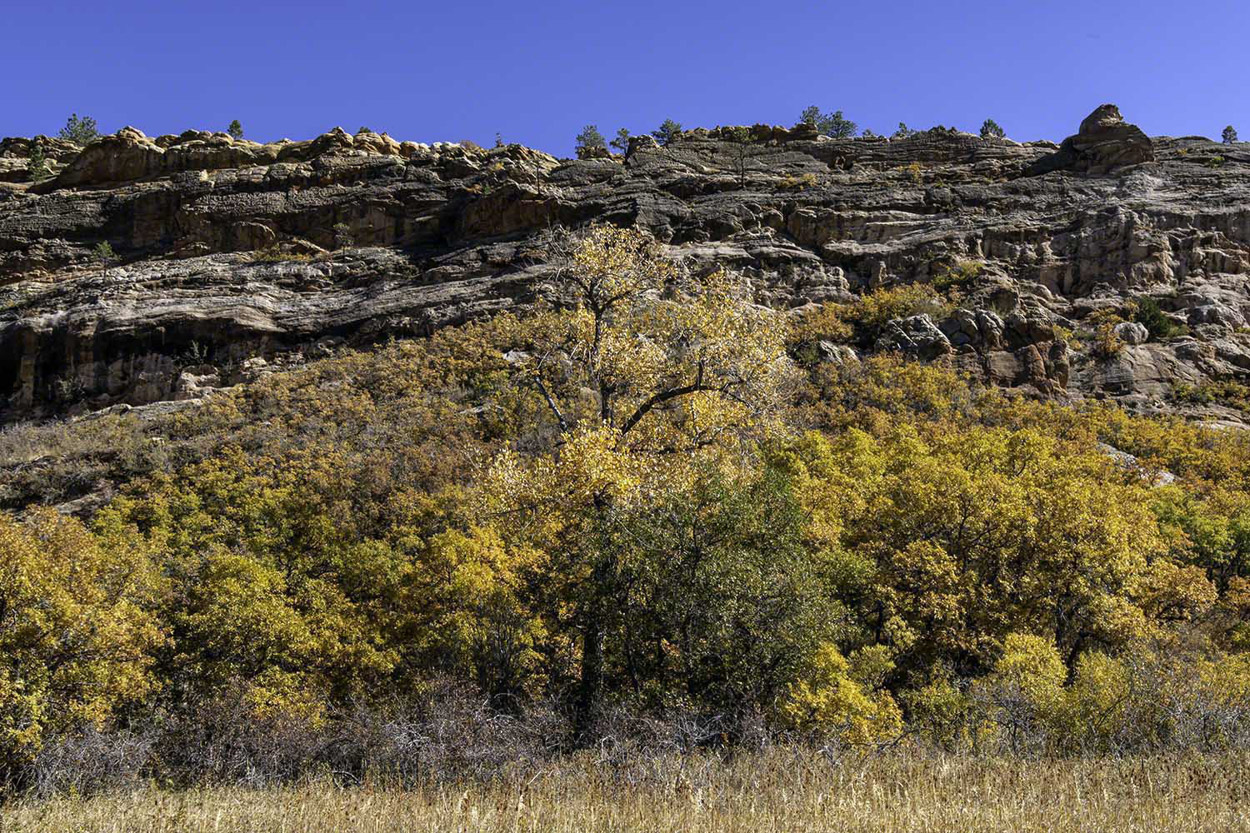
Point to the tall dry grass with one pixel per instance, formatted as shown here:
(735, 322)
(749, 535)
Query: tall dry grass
(779, 789)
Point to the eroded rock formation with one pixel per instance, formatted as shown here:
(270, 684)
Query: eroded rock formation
(228, 253)
(1104, 144)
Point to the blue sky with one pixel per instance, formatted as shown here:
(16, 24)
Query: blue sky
(537, 71)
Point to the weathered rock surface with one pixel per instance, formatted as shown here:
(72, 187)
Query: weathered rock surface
(229, 253)
(15, 155)
(915, 335)
(1105, 143)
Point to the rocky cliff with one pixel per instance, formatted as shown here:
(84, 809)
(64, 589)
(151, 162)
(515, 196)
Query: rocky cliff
(225, 258)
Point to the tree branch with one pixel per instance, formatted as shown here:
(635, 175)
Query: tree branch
(551, 403)
(664, 396)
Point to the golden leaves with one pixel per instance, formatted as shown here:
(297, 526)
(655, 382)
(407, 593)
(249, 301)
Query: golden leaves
(829, 699)
(77, 628)
(682, 359)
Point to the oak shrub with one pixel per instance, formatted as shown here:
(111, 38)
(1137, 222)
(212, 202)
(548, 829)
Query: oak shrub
(77, 630)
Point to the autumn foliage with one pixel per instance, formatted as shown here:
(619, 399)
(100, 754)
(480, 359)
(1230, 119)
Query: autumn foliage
(647, 495)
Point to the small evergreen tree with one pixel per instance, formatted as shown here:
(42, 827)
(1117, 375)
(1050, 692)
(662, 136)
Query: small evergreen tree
(235, 129)
(37, 165)
(990, 129)
(667, 132)
(839, 127)
(830, 124)
(1229, 135)
(343, 237)
(589, 140)
(621, 142)
(903, 132)
(80, 131)
(1147, 312)
(743, 143)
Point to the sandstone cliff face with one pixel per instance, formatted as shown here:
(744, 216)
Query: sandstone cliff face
(230, 255)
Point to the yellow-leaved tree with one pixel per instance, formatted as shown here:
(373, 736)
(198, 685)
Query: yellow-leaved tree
(650, 373)
(841, 697)
(947, 540)
(77, 630)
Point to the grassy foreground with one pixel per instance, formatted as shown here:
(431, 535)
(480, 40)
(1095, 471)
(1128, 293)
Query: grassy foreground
(772, 791)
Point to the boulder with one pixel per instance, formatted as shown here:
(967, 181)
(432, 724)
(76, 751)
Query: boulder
(593, 153)
(916, 335)
(1130, 332)
(1216, 314)
(126, 156)
(1104, 144)
(838, 354)
(981, 328)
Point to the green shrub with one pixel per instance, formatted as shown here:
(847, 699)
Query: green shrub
(830, 124)
(77, 630)
(37, 165)
(1147, 312)
(589, 141)
(990, 129)
(667, 132)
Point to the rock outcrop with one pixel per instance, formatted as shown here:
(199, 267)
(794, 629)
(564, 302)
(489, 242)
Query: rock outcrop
(915, 335)
(225, 255)
(15, 153)
(1104, 144)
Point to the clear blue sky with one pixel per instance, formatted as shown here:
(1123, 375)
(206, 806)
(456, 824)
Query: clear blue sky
(537, 71)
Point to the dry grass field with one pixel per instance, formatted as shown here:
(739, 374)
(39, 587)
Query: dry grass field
(779, 790)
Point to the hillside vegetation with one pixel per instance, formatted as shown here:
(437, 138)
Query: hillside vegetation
(645, 514)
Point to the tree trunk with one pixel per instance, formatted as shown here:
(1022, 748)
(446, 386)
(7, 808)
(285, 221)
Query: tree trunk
(595, 617)
(594, 630)
(591, 686)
